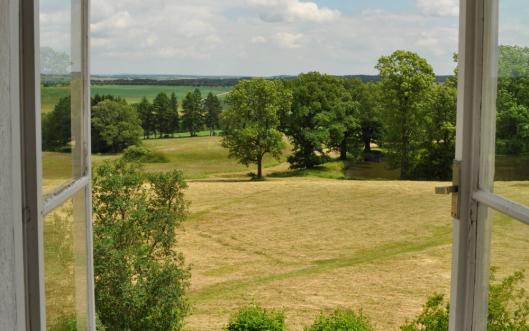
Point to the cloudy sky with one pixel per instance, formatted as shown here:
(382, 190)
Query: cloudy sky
(266, 37)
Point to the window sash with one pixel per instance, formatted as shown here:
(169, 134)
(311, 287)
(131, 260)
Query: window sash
(35, 206)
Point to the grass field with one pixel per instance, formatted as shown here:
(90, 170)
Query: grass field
(306, 241)
(132, 93)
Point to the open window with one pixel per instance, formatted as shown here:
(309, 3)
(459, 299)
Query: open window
(57, 228)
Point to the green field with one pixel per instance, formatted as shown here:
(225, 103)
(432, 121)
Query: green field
(132, 93)
(306, 241)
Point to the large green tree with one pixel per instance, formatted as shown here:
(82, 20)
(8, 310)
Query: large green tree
(407, 81)
(193, 115)
(212, 110)
(321, 117)
(140, 279)
(115, 126)
(251, 122)
(56, 126)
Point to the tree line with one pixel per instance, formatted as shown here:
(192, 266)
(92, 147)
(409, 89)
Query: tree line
(117, 125)
(407, 113)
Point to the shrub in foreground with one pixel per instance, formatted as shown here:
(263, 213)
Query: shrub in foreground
(140, 279)
(143, 154)
(508, 308)
(256, 318)
(341, 320)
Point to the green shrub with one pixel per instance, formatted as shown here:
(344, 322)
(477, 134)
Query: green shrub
(140, 278)
(508, 308)
(256, 318)
(143, 154)
(341, 320)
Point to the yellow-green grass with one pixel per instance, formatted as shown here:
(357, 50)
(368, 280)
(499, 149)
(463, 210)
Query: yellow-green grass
(199, 157)
(303, 245)
(50, 95)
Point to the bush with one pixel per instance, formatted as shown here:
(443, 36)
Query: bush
(508, 308)
(140, 279)
(143, 154)
(341, 320)
(69, 323)
(256, 318)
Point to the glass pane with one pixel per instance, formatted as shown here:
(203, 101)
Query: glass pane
(510, 254)
(512, 126)
(65, 266)
(61, 91)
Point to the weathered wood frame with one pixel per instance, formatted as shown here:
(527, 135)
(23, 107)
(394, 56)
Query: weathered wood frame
(35, 206)
(475, 149)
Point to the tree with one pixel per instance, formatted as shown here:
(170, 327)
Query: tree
(212, 110)
(251, 123)
(193, 116)
(140, 279)
(406, 80)
(56, 126)
(146, 114)
(371, 127)
(318, 103)
(175, 116)
(164, 116)
(115, 126)
(437, 154)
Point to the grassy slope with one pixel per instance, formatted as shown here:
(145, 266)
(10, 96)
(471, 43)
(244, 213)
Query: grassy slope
(132, 93)
(308, 243)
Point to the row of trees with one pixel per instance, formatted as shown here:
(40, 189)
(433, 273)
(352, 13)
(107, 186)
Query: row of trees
(117, 125)
(162, 117)
(407, 113)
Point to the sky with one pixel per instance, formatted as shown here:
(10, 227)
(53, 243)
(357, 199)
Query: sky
(267, 37)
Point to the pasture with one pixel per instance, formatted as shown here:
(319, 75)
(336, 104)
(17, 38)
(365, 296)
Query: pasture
(132, 93)
(308, 241)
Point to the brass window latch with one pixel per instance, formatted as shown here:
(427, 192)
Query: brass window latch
(453, 189)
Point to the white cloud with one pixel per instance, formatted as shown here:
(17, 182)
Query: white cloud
(439, 7)
(258, 40)
(293, 10)
(289, 40)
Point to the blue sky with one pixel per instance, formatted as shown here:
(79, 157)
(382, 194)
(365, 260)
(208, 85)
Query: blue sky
(270, 37)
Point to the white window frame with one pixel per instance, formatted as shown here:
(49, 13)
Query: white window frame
(475, 150)
(34, 205)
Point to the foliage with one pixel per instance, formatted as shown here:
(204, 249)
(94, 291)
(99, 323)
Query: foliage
(251, 123)
(513, 101)
(368, 96)
(115, 126)
(212, 110)
(193, 116)
(56, 126)
(319, 102)
(142, 154)
(508, 308)
(406, 79)
(341, 320)
(147, 117)
(165, 114)
(434, 161)
(256, 318)
(140, 280)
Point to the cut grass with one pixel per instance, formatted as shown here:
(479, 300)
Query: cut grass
(308, 244)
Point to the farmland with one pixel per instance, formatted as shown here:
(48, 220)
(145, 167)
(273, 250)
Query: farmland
(305, 241)
(131, 93)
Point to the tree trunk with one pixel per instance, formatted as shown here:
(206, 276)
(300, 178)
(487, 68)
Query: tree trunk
(405, 158)
(260, 168)
(343, 150)
(367, 145)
